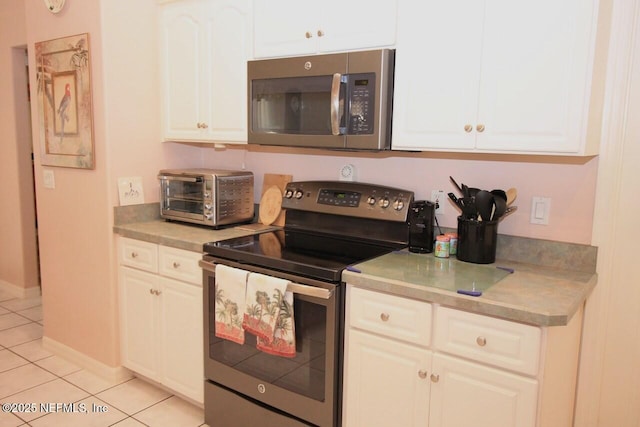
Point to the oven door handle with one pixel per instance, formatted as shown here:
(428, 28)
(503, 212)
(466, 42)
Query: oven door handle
(296, 288)
(180, 178)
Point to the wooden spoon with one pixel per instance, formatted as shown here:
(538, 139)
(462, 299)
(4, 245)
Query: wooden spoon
(512, 193)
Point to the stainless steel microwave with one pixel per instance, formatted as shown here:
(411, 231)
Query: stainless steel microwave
(335, 101)
(208, 197)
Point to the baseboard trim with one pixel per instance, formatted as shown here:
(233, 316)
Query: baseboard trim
(18, 291)
(110, 373)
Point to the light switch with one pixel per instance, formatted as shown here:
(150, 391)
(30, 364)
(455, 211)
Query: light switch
(540, 208)
(48, 178)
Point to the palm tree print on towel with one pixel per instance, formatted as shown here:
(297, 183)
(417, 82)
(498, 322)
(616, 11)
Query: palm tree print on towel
(228, 320)
(283, 343)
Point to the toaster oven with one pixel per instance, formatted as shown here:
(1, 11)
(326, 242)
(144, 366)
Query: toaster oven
(208, 197)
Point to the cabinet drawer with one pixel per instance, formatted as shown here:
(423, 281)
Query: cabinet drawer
(139, 254)
(180, 264)
(391, 316)
(497, 342)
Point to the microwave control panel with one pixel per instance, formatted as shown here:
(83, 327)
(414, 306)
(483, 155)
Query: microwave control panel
(361, 90)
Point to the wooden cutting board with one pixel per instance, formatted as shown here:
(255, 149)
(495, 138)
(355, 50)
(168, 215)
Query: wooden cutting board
(280, 181)
(270, 205)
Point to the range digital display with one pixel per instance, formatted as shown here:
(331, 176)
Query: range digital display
(349, 199)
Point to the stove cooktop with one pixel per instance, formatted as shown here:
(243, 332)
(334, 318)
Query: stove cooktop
(314, 256)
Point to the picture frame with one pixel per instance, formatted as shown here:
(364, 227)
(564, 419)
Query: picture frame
(65, 102)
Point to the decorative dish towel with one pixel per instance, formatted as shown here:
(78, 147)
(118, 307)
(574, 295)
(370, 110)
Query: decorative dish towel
(231, 285)
(284, 335)
(265, 298)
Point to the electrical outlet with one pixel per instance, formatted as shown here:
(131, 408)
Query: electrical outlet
(438, 196)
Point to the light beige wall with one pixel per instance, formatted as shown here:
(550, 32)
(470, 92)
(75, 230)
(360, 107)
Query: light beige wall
(75, 237)
(609, 381)
(18, 260)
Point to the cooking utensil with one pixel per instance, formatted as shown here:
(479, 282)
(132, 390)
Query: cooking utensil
(509, 211)
(484, 204)
(456, 184)
(469, 208)
(512, 193)
(457, 201)
(499, 208)
(500, 193)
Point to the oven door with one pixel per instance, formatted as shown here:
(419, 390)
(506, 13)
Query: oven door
(303, 390)
(183, 197)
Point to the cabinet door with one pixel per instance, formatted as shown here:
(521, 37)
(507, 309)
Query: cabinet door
(139, 321)
(181, 342)
(535, 69)
(294, 27)
(467, 394)
(356, 24)
(386, 382)
(204, 50)
(227, 48)
(284, 27)
(438, 58)
(181, 38)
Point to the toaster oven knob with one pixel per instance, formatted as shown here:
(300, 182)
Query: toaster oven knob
(371, 200)
(208, 216)
(207, 195)
(398, 205)
(384, 202)
(208, 206)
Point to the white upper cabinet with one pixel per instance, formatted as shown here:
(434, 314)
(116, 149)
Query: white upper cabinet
(302, 27)
(204, 49)
(495, 76)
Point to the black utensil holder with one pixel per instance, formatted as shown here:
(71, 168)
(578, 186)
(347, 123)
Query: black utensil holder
(477, 240)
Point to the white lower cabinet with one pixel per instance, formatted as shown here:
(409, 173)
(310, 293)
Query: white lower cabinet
(477, 370)
(161, 317)
(465, 394)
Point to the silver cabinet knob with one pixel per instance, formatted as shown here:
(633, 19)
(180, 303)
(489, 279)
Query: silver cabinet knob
(176, 264)
(384, 317)
(468, 128)
(308, 34)
(320, 33)
(481, 341)
(151, 291)
(435, 378)
(480, 128)
(422, 374)
(202, 125)
(134, 255)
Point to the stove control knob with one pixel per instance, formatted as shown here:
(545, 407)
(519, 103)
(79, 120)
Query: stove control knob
(371, 200)
(288, 194)
(384, 202)
(398, 205)
(298, 194)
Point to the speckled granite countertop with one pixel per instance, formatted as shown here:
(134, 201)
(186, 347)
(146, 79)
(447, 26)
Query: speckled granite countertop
(550, 282)
(543, 296)
(143, 222)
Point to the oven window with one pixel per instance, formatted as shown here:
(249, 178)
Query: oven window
(296, 105)
(303, 374)
(184, 197)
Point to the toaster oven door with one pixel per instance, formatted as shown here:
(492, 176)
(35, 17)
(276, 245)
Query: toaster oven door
(185, 198)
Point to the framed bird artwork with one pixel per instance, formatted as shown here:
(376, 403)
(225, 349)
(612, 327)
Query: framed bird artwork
(65, 102)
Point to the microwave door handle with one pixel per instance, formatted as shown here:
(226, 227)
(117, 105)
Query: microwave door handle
(335, 104)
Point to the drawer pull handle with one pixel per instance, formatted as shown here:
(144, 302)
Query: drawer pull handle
(435, 378)
(384, 317)
(134, 254)
(308, 34)
(176, 264)
(480, 128)
(151, 291)
(422, 374)
(468, 128)
(481, 341)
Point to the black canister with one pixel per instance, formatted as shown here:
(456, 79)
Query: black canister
(477, 240)
(421, 219)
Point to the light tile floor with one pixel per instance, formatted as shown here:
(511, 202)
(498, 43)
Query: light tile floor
(38, 388)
